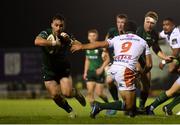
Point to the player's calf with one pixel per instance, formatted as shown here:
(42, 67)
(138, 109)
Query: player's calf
(66, 87)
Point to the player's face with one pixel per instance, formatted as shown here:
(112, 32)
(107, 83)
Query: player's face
(57, 26)
(120, 24)
(148, 25)
(167, 26)
(92, 37)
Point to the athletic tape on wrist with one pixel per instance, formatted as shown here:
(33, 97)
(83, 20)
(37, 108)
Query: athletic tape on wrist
(163, 62)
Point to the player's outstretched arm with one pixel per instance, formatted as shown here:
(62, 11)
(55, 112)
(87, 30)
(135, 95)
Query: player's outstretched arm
(174, 63)
(77, 47)
(39, 41)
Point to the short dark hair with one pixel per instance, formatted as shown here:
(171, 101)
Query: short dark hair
(169, 19)
(122, 16)
(93, 31)
(152, 14)
(130, 26)
(58, 16)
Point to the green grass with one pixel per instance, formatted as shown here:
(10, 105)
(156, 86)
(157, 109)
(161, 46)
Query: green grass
(45, 111)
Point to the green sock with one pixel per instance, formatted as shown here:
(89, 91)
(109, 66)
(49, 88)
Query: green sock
(173, 103)
(114, 91)
(142, 99)
(118, 105)
(159, 100)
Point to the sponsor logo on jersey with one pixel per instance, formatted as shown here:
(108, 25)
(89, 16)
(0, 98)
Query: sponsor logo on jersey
(88, 51)
(120, 57)
(92, 57)
(148, 38)
(121, 85)
(96, 51)
(130, 38)
(174, 41)
(123, 58)
(113, 73)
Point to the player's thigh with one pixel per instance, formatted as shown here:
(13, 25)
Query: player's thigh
(175, 88)
(53, 87)
(66, 85)
(109, 80)
(90, 86)
(99, 88)
(129, 98)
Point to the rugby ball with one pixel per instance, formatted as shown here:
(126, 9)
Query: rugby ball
(52, 49)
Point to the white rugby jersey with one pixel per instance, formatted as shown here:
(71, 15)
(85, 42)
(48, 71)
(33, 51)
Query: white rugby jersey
(174, 38)
(127, 49)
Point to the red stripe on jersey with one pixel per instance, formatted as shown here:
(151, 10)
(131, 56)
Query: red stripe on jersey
(129, 77)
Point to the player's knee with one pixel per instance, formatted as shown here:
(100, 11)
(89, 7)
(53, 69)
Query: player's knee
(109, 82)
(169, 93)
(53, 94)
(67, 93)
(90, 93)
(149, 66)
(99, 93)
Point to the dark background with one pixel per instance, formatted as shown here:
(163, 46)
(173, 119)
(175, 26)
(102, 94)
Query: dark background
(22, 20)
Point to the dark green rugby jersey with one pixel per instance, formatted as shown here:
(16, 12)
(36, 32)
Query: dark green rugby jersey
(113, 32)
(95, 58)
(150, 37)
(53, 56)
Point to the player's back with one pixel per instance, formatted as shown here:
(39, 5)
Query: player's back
(127, 49)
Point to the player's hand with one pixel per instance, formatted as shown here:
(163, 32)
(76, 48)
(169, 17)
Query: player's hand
(76, 47)
(74, 42)
(65, 35)
(162, 64)
(169, 58)
(85, 76)
(99, 71)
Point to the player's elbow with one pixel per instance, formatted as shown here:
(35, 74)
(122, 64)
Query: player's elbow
(37, 42)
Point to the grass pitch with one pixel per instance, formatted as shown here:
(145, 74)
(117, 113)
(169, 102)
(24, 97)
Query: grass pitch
(46, 112)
